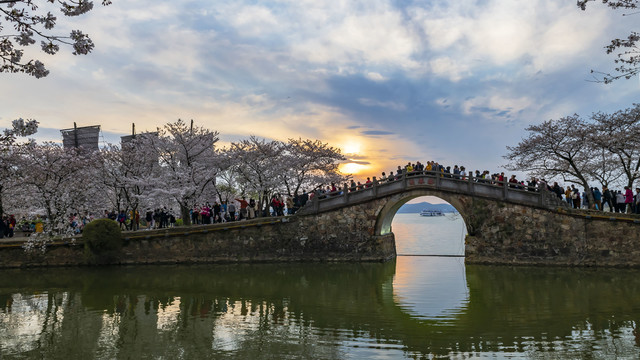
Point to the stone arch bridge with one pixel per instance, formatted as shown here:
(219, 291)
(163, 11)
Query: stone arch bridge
(506, 224)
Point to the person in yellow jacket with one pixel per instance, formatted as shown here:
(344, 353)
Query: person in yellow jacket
(567, 195)
(409, 168)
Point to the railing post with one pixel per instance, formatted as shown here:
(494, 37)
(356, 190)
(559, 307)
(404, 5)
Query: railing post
(504, 190)
(404, 179)
(345, 194)
(316, 203)
(375, 186)
(437, 182)
(470, 182)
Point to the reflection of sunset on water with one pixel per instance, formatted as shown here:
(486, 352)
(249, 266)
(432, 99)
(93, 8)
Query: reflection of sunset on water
(418, 287)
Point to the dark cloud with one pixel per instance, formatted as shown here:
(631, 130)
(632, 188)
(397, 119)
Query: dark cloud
(359, 162)
(376, 132)
(357, 157)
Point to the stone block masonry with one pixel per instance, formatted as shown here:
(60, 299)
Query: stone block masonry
(304, 238)
(518, 235)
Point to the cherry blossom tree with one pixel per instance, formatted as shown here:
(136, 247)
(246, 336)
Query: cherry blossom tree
(25, 23)
(8, 148)
(227, 186)
(188, 164)
(258, 165)
(58, 181)
(125, 171)
(628, 54)
(604, 168)
(310, 162)
(619, 135)
(556, 148)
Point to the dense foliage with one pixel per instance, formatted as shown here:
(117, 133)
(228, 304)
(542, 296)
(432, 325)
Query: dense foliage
(102, 240)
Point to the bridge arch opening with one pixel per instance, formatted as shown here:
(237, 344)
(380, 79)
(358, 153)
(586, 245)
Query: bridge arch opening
(402, 211)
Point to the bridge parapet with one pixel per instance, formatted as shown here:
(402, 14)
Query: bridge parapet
(449, 183)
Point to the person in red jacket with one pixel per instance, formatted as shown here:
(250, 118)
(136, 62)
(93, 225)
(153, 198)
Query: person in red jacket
(243, 208)
(628, 199)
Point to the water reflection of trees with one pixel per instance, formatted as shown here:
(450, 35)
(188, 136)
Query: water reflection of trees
(306, 310)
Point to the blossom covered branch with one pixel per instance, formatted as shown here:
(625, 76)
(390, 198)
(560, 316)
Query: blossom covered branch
(24, 24)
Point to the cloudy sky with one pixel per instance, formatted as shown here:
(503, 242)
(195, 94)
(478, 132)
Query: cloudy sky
(386, 81)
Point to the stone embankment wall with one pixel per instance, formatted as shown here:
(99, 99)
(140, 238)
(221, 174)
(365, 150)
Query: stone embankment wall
(512, 234)
(304, 238)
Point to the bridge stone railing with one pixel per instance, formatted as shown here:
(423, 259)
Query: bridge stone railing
(468, 185)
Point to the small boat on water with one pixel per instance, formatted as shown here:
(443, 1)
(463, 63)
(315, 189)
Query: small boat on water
(426, 212)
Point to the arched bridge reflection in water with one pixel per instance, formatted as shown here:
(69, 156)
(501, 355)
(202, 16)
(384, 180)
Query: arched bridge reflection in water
(316, 310)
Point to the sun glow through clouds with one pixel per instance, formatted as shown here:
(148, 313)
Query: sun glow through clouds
(351, 148)
(351, 168)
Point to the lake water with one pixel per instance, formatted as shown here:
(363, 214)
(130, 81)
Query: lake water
(415, 307)
(429, 235)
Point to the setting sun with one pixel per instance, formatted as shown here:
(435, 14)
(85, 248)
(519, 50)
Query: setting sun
(351, 148)
(352, 168)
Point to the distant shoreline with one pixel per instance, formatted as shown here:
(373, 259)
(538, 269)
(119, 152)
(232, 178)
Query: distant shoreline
(418, 207)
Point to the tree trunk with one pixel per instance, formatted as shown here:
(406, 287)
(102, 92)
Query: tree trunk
(184, 212)
(589, 194)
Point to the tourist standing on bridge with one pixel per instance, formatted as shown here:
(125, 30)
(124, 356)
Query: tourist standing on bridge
(231, 208)
(567, 195)
(513, 182)
(216, 212)
(11, 222)
(223, 214)
(575, 196)
(607, 198)
(289, 203)
(122, 218)
(557, 190)
(252, 208)
(148, 217)
(195, 215)
(628, 199)
(619, 202)
(243, 207)
(391, 177)
(408, 168)
(597, 197)
(352, 186)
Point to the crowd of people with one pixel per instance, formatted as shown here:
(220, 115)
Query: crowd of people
(238, 209)
(7, 226)
(604, 200)
(413, 169)
(620, 201)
